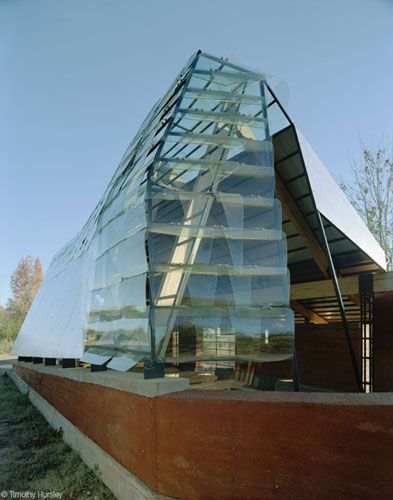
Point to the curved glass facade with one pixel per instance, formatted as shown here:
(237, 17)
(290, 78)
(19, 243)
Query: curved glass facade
(184, 259)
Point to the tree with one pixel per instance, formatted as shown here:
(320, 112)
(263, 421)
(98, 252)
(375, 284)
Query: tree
(24, 284)
(37, 276)
(371, 193)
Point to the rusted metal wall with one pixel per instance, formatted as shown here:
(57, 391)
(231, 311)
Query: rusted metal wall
(383, 341)
(323, 356)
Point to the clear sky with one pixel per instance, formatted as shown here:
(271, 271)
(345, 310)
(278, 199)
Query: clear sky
(78, 77)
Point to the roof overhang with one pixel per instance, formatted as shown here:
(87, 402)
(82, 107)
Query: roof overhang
(304, 186)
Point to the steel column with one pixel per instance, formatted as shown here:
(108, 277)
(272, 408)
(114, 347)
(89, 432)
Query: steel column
(340, 301)
(366, 294)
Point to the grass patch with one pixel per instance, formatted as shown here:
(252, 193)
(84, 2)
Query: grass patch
(33, 456)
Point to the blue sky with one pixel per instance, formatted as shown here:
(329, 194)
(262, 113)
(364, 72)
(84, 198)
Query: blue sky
(77, 79)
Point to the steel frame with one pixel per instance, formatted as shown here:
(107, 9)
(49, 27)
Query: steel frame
(332, 271)
(366, 293)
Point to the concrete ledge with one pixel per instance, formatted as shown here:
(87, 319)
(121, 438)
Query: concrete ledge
(313, 399)
(128, 381)
(136, 384)
(120, 481)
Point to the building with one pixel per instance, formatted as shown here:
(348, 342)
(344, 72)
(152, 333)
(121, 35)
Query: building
(218, 207)
(224, 256)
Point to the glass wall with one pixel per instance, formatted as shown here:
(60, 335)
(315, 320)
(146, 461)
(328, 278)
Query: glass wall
(218, 273)
(184, 259)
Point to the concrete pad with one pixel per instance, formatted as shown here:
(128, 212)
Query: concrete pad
(128, 381)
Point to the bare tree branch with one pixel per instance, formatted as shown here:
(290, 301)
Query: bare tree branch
(371, 193)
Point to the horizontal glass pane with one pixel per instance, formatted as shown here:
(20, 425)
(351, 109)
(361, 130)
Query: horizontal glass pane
(126, 259)
(222, 96)
(226, 167)
(253, 200)
(222, 141)
(124, 363)
(225, 77)
(221, 117)
(220, 269)
(187, 231)
(123, 335)
(128, 294)
(121, 228)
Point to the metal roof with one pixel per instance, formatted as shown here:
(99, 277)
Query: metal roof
(341, 213)
(311, 187)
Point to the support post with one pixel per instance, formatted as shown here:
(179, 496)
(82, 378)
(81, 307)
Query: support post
(153, 370)
(69, 362)
(99, 368)
(340, 301)
(295, 372)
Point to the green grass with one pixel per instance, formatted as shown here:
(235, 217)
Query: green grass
(33, 456)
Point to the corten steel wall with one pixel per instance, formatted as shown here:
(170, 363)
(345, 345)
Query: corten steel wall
(383, 335)
(322, 356)
(236, 444)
